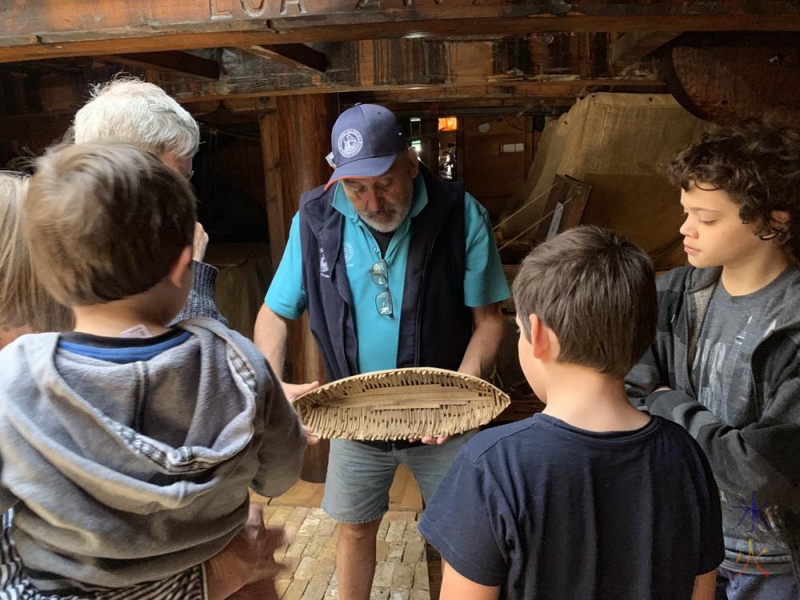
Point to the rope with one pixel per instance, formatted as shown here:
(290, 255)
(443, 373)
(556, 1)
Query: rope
(521, 233)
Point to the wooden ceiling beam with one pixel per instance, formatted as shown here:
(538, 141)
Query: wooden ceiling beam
(170, 61)
(432, 103)
(635, 46)
(295, 56)
(405, 92)
(39, 30)
(519, 93)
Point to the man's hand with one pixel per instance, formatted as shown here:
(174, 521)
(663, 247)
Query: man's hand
(431, 439)
(295, 390)
(261, 542)
(200, 243)
(248, 558)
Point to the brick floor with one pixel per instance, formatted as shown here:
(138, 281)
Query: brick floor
(401, 572)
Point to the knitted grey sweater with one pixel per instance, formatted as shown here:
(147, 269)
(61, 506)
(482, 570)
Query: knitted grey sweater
(200, 302)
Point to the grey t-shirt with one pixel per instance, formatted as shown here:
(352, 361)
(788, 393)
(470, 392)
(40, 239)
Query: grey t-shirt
(732, 329)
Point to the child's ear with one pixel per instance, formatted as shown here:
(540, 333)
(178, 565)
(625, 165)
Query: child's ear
(778, 224)
(177, 274)
(540, 340)
(780, 218)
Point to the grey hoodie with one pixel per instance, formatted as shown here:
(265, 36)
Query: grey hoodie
(124, 473)
(760, 453)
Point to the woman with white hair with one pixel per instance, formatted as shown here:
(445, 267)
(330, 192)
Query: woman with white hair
(142, 114)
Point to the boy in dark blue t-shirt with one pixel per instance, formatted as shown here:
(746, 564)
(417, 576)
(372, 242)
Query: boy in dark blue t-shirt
(592, 498)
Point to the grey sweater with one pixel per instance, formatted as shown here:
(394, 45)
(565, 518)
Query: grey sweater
(200, 302)
(124, 473)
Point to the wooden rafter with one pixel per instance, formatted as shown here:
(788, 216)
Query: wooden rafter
(295, 56)
(634, 46)
(170, 62)
(31, 30)
(514, 89)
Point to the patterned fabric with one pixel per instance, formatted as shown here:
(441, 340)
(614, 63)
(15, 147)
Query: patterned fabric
(188, 585)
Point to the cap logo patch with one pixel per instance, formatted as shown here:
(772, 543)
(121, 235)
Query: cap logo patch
(350, 143)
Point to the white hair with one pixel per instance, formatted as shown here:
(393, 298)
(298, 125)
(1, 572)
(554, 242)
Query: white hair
(140, 113)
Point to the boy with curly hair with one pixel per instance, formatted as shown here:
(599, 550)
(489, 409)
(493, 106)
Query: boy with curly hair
(725, 364)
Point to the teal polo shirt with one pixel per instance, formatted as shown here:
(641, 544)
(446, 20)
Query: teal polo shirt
(484, 280)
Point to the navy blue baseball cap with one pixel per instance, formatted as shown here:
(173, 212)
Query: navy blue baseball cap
(365, 139)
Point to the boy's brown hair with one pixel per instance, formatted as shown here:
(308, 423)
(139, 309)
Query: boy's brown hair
(757, 164)
(23, 301)
(105, 221)
(596, 291)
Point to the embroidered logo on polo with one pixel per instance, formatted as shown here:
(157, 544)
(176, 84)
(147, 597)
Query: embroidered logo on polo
(350, 143)
(348, 253)
(323, 265)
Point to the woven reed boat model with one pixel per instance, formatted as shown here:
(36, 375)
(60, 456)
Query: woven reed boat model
(400, 404)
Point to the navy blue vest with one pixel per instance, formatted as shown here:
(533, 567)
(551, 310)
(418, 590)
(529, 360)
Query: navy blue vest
(435, 325)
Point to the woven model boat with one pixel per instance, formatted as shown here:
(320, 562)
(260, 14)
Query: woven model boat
(400, 404)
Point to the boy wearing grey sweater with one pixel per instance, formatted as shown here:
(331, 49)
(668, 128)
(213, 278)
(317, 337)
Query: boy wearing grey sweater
(127, 447)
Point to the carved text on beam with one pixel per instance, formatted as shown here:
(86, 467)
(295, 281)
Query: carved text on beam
(298, 3)
(53, 20)
(225, 9)
(253, 7)
(218, 13)
(228, 9)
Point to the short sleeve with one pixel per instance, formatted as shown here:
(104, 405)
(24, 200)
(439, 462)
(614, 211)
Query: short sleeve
(460, 523)
(286, 295)
(484, 279)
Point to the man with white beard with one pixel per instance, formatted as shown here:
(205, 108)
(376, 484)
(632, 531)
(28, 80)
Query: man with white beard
(396, 268)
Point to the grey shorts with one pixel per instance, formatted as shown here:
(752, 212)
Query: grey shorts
(360, 475)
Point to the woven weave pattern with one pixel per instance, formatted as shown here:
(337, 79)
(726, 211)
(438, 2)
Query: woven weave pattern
(400, 404)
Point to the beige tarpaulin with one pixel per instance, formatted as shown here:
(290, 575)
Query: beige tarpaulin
(244, 276)
(631, 136)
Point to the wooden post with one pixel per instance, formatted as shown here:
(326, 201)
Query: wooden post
(299, 139)
(461, 145)
(276, 223)
(430, 142)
